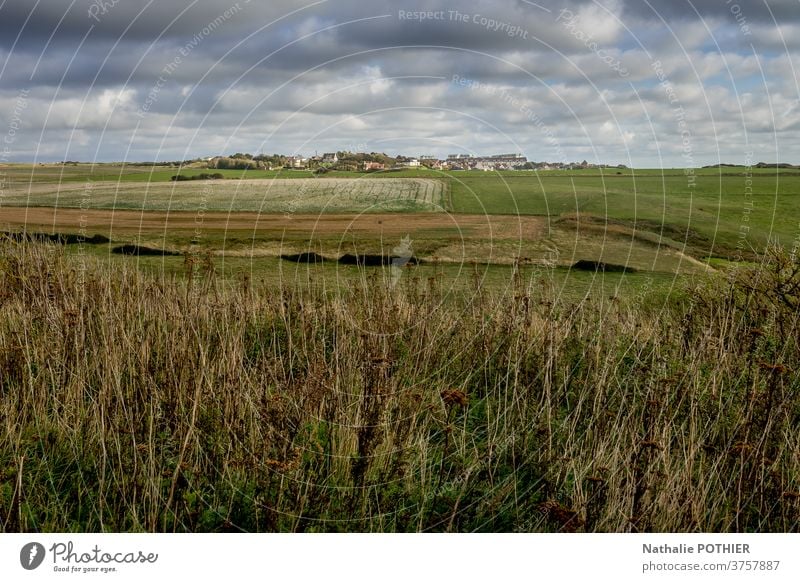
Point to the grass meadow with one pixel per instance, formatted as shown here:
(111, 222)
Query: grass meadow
(212, 385)
(144, 402)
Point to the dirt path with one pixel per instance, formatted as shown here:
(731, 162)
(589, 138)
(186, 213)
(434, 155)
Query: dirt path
(109, 222)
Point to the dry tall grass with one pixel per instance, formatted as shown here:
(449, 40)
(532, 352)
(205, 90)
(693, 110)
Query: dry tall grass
(131, 403)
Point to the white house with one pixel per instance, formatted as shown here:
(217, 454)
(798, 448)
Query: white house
(297, 162)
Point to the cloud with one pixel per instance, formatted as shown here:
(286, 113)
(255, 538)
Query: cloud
(168, 80)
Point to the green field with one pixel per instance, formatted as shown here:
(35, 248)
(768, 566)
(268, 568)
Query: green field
(711, 214)
(195, 371)
(712, 211)
(666, 221)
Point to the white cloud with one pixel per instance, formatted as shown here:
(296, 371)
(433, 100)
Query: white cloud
(389, 82)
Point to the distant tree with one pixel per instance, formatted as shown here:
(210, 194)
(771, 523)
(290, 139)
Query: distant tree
(232, 164)
(271, 161)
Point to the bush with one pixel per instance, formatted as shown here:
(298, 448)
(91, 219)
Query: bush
(203, 176)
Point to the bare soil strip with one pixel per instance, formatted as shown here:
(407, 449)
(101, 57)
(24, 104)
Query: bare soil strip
(110, 222)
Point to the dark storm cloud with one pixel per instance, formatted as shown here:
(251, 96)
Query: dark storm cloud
(145, 21)
(749, 10)
(142, 20)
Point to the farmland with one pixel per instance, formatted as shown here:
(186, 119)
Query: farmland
(257, 195)
(219, 356)
(713, 212)
(662, 221)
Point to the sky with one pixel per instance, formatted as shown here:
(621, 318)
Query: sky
(646, 83)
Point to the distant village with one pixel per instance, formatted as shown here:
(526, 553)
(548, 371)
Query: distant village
(377, 162)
